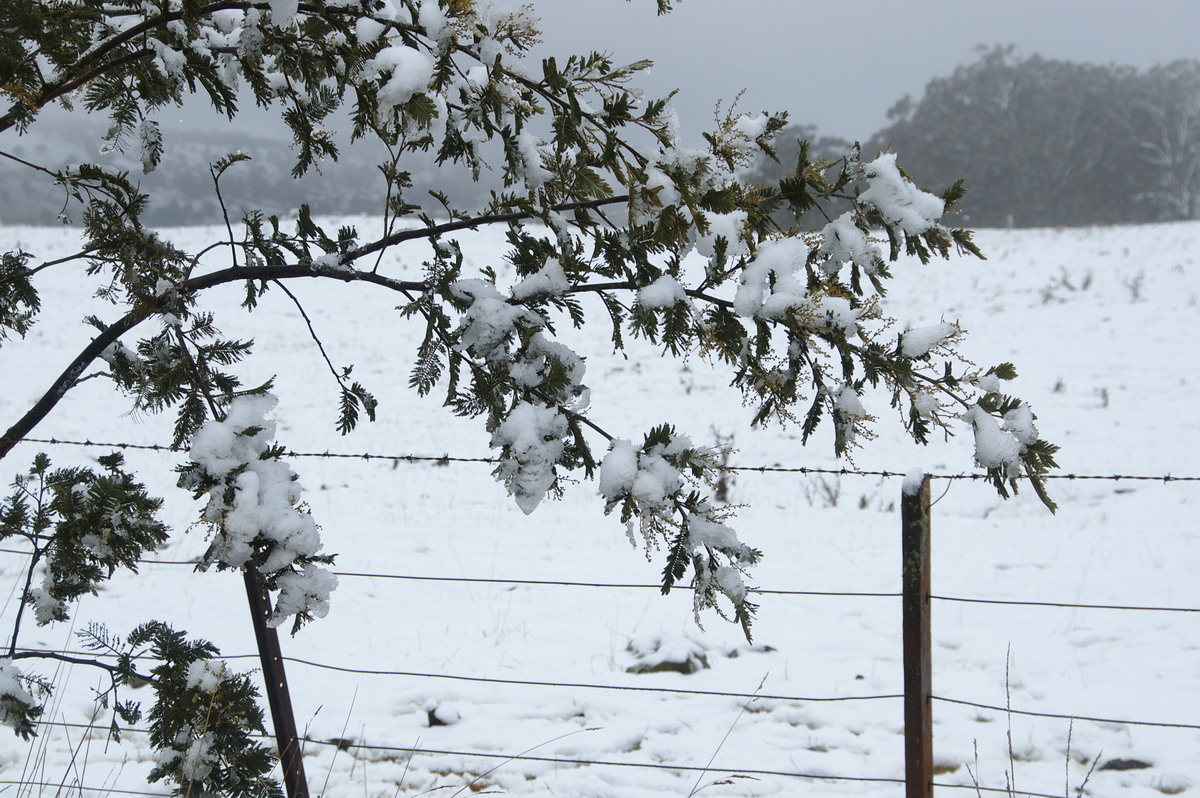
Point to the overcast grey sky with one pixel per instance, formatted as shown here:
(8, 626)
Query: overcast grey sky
(841, 65)
(832, 63)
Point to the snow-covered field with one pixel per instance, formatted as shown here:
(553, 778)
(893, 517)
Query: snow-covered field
(1100, 324)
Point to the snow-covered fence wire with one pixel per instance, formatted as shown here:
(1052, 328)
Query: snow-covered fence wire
(382, 746)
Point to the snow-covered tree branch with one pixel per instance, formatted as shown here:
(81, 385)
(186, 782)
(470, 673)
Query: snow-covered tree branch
(609, 215)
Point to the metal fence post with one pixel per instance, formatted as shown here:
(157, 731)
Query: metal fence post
(918, 659)
(291, 758)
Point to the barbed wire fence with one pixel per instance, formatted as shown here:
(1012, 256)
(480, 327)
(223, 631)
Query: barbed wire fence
(923, 787)
(446, 459)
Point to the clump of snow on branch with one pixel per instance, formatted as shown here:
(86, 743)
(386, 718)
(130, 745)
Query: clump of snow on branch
(1019, 422)
(254, 507)
(898, 201)
(490, 321)
(432, 18)
(283, 12)
(994, 448)
(534, 173)
(305, 591)
(827, 312)
(661, 188)
(706, 533)
(849, 414)
(664, 292)
(918, 342)
(652, 482)
(729, 226)
(15, 700)
(206, 675)
(649, 476)
(196, 753)
(535, 364)
(925, 403)
(532, 442)
(748, 129)
(776, 260)
(367, 30)
(150, 145)
(1000, 444)
(531, 437)
(408, 72)
(551, 280)
(772, 286)
(843, 242)
(46, 607)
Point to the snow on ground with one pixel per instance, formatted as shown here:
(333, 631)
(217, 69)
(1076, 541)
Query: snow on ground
(1098, 322)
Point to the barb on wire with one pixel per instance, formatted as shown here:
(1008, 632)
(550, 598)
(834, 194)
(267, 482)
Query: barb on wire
(446, 458)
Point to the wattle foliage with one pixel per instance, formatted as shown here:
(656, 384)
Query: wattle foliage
(611, 220)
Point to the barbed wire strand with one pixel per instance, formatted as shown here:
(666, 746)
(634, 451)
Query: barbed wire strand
(673, 691)
(1116, 721)
(73, 788)
(347, 745)
(603, 585)
(762, 591)
(533, 582)
(718, 694)
(587, 686)
(491, 680)
(95, 727)
(1002, 790)
(344, 745)
(609, 763)
(447, 459)
(1065, 605)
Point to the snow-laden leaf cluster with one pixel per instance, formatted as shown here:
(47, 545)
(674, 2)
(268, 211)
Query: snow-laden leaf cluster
(253, 509)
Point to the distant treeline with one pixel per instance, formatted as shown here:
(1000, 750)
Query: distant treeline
(1046, 143)
(183, 184)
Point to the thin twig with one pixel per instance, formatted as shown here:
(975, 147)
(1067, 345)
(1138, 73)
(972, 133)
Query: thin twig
(95, 663)
(434, 231)
(521, 755)
(34, 558)
(313, 333)
(216, 178)
(342, 736)
(696, 787)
